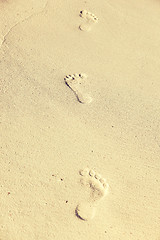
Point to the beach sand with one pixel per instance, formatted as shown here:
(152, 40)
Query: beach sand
(80, 120)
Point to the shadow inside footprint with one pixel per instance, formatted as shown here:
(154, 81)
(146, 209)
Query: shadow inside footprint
(85, 211)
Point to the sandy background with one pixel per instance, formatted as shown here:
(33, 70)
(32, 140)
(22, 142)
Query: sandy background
(47, 136)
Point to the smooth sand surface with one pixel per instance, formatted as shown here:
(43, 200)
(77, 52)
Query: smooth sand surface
(53, 146)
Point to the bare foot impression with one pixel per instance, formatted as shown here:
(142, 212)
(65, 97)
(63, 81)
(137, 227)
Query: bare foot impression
(90, 20)
(98, 188)
(76, 82)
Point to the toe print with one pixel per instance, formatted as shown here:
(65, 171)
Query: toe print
(102, 180)
(98, 176)
(92, 173)
(90, 20)
(88, 16)
(75, 82)
(97, 189)
(84, 172)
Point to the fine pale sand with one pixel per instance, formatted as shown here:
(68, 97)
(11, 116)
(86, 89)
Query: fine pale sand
(80, 120)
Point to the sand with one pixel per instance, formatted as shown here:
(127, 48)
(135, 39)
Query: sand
(80, 155)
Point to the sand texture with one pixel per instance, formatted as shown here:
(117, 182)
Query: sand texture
(80, 120)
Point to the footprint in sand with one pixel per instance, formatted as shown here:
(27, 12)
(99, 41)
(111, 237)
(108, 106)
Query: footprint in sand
(90, 20)
(76, 82)
(98, 189)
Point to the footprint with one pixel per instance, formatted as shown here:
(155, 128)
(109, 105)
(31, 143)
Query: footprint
(90, 20)
(98, 190)
(74, 82)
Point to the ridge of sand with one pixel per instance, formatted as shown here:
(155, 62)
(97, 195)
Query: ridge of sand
(16, 12)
